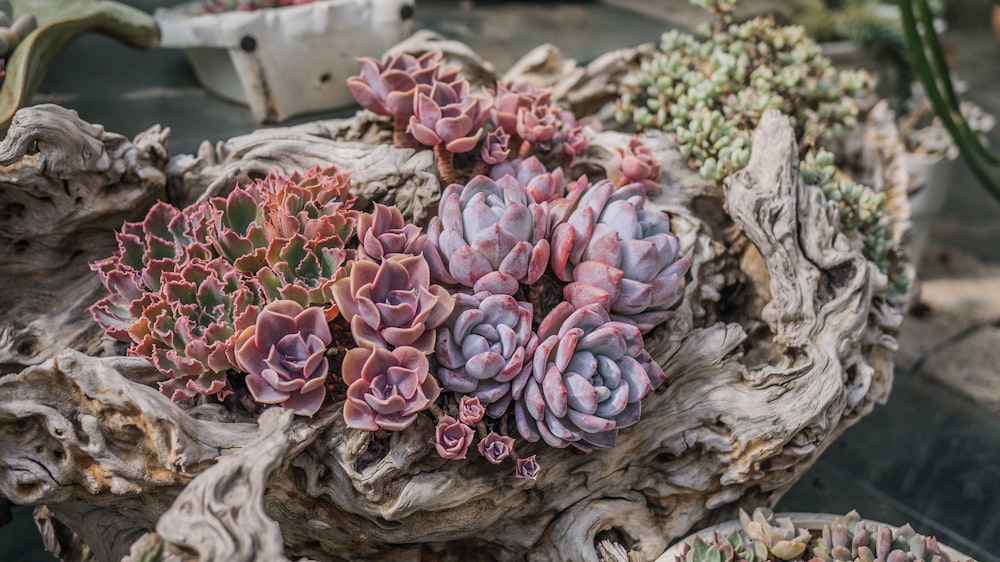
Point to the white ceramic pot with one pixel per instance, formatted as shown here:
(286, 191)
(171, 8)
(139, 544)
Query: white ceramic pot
(930, 180)
(285, 61)
(811, 521)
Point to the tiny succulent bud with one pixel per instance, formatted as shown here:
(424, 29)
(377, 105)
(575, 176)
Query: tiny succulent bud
(452, 438)
(527, 468)
(495, 448)
(470, 410)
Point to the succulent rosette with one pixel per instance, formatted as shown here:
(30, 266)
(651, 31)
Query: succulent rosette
(388, 87)
(304, 271)
(447, 115)
(510, 98)
(541, 184)
(495, 447)
(452, 438)
(164, 241)
(484, 346)
(489, 235)
(615, 253)
(383, 232)
(386, 389)
(526, 468)
(284, 356)
(393, 303)
(496, 147)
(587, 379)
(638, 164)
(187, 327)
(537, 123)
(470, 410)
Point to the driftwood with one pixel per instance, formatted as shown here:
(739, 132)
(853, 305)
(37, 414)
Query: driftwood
(783, 340)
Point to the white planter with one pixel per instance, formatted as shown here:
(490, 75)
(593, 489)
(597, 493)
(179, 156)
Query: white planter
(285, 61)
(930, 180)
(811, 521)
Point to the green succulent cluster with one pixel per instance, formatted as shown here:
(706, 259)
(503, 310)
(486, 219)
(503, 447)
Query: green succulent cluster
(710, 90)
(764, 538)
(862, 216)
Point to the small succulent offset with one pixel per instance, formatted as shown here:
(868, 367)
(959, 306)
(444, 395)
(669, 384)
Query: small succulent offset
(764, 537)
(710, 91)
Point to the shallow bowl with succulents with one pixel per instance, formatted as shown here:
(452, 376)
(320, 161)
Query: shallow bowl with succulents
(465, 324)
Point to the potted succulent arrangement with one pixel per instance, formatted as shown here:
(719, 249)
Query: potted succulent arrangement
(282, 57)
(804, 536)
(463, 324)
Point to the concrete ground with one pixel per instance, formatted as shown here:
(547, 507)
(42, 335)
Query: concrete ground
(930, 457)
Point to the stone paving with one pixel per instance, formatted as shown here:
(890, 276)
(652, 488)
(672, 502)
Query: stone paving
(931, 456)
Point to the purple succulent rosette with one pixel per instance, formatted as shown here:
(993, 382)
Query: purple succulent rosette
(383, 232)
(388, 87)
(638, 164)
(615, 253)
(526, 468)
(496, 448)
(496, 147)
(470, 410)
(489, 235)
(447, 115)
(484, 346)
(187, 328)
(508, 101)
(284, 356)
(452, 438)
(386, 389)
(588, 377)
(393, 304)
(541, 184)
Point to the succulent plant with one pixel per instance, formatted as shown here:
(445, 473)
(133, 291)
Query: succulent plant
(541, 184)
(495, 447)
(488, 235)
(615, 253)
(496, 147)
(447, 115)
(537, 123)
(384, 232)
(452, 438)
(526, 468)
(587, 379)
(187, 328)
(393, 304)
(638, 164)
(764, 538)
(863, 217)
(164, 241)
(284, 356)
(574, 142)
(513, 97)
(386, 389)
(710, 91)
(487, 342)
(470, 410)
(389, 87)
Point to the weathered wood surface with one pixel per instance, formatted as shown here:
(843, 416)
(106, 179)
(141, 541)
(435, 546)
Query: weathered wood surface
(783, 340)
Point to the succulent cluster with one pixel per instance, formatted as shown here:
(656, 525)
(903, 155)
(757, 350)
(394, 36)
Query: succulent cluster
(710, 91)
(764, 537)
(861, 212)
(520, 310)
(242, 282)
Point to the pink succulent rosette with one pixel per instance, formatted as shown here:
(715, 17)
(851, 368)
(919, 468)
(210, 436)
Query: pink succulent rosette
(496, 448)
(383, 232)
(510, 98)
(588, 377)
(638, 164)
(496, 147)
(487, 342)
(186, 328)
(574, 142)
(489, 235)
(386, 389)
(447, 115)
(541, 184)
(393, 303)
(452, 438)
(470, 410)
(617, 254)
(526, 468)
(284, 356)
(537, 123)
(388, 87)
